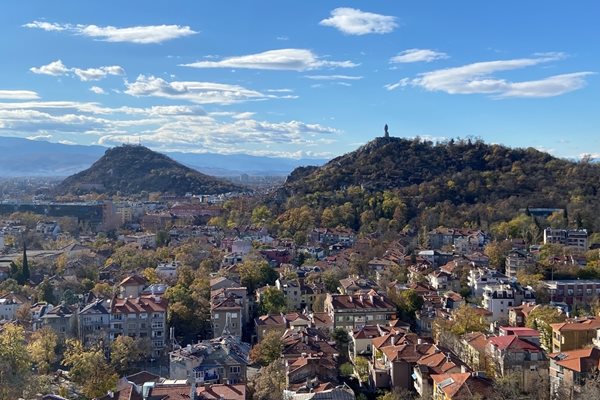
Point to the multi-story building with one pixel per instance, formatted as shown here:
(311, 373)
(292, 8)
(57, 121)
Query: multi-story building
(460, 386)
(479, 277)
(226, 316)
(93, 323)
(140, 317)
(62, 319)
(523, 360)
(498, 298)
(9, 304)
(573, 292)
(568, 237)
(574, 334)
(217, 361)
(517, 260)
(355, 311)
(292, 293)
(569, 369)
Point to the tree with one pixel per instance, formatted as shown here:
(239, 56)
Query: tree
(497, 252)
(14, 362)
(540, 318)
(89, 369)
(464, 320)
(25, 274)
(42, 348)
(151, 275)
(256, 273)
(272, 301)
(361, 366)
(408, 302)
(397, 394)
(270, 382)
(123, 352)
(342, 339)
(346, 369)
(268, 349)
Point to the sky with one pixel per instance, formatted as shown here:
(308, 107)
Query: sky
(301, 79)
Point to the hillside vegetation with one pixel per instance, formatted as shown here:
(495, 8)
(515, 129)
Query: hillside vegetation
(133, 169)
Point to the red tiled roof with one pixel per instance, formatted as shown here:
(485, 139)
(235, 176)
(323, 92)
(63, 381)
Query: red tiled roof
(221, 391)
(513, 342)
(138, 305)
(584, 360)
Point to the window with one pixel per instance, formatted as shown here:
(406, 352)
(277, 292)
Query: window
(570, 292)
(157, 325)
(144, 315)
(234, 369)
(159, 343)
(216, 316)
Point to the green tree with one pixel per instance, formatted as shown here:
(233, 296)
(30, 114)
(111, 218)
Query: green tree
(261, 215)
(42, 349)
(540, 318)
(270, 382)
(361, 366)
(123, 352)
(464, 320)
(346, 369)
(272, 301)
(342, 339)
(268, 349)
(89, 369)
(14, 362)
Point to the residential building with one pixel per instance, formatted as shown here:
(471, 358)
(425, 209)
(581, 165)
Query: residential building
(479, 277)
(216, 361)
(167, 271)
(355, 284)
(523, 360)
(569, 369)
(62, 319)
(574, 334)
(498, 298)
(567, 237)
(143, 240)
(93, 323)
(517, 316)
(354, 311)
(517, 260)
(10, 303)
(226, 316)
(573, 292)
(221, 392)
(140, 317)
(441, 361)
(292, 293)
(131, 286)
(459, 386)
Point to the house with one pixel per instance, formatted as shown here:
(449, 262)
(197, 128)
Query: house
(574, 334)
(394, 358)
(10, 303)
(216, 361)
(569, 369)
(167, 271)
(221, 392)
(455, 386)
(435, 258)
(355, 284)
(529, 334)
(131, 286)
(140, 317)
(361, 343)
(93, 323)
(307, 341)
(439, 362)
(62, 319)
(221, 283)
(292, 293)
(479, 277)
(314, 390)
(353, 311)
(309, 368)
(294, 321)
(517, 316)
(143, 240)
(226, 316)
(441, 280)
(452, 301)
(523, 360)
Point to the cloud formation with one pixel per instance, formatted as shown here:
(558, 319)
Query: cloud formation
(281, 59)
(143, 34)
(97, 90)
(57, 68)
(352, 21)
(418, 55)
(18, 95)
(196, 92)
(333, 77)
(478, 78)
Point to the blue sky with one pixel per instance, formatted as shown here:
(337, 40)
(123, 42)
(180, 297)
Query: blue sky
(301, 79)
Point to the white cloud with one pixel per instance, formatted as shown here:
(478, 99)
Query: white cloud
(47, 26)
(478, 78)
(55, 68)
(333, 77)
(352, 21)
(401, 83)
(418, 55)
(281, 59)
(244, 115)
(197, 92)
(97, 90)
(18, 95)
(40, 137)
(145, 34)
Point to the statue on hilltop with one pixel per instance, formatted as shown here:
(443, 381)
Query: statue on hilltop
(385, 130)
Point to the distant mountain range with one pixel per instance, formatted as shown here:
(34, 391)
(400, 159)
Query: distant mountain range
(24, 157)
(132, 169)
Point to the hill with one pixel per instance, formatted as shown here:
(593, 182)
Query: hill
(456, 182)
(133, 169)
(24, 157)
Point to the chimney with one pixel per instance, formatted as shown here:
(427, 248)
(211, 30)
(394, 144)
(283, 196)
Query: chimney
(419, 341)
(393, 338)
(463, 369)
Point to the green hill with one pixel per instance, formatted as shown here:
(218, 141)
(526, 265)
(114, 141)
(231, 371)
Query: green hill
(456, 182)
(132, 169)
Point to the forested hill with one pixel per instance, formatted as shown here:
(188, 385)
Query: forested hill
(470, 177)
(133, 169)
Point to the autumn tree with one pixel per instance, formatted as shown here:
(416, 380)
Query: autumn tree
(42, 349)
(361, 367)
(464, 320)
(270, 382)
(272, 300)
(14, 362)
(540, 318)
(268, 349)
(89, 369)
(123, 352)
